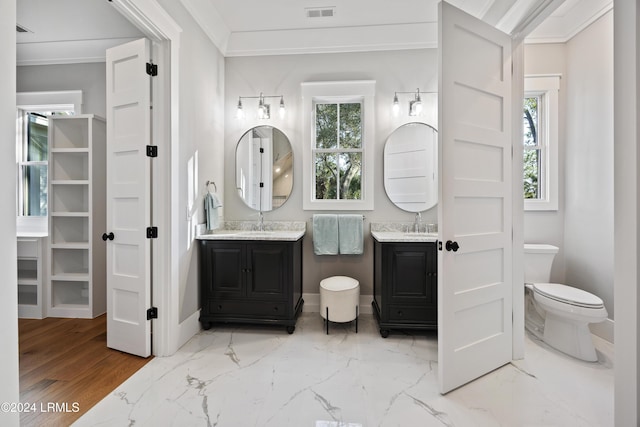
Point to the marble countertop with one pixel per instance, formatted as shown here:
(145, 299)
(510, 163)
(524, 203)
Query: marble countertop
(247, 230)
(400, 236)
(399, 232)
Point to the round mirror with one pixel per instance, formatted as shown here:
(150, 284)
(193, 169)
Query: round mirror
(264, 168)
(411, 167)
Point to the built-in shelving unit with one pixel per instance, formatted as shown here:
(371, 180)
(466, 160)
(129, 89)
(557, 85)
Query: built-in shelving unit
(30, 279)
(77, 194)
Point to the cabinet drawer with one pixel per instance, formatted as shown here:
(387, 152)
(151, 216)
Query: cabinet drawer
(248, 309)
(403, 313)
(28, 248)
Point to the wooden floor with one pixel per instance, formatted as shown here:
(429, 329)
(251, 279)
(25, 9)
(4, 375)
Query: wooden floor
(67, 362)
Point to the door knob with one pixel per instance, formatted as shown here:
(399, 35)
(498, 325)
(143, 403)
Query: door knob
(106, 236)
(452, 246)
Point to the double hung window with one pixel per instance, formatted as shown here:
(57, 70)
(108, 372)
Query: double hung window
(540, 140)
(338, 145)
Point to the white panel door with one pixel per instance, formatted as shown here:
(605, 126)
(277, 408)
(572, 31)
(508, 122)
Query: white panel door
(128, 198)
(474, 210)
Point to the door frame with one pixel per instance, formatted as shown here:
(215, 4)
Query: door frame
(156, 24)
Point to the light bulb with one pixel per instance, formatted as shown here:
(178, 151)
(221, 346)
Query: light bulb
(282, 110)
(239, 111)
(396, 105)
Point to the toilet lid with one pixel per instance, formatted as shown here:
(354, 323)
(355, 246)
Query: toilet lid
(568, 295)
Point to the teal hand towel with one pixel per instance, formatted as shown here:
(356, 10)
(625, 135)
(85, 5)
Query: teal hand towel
(350, 232)
(211, 205)
(325, 234)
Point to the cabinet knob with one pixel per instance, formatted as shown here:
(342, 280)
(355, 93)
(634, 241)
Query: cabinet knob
(275, 308)
(106, 236)
(400, 313)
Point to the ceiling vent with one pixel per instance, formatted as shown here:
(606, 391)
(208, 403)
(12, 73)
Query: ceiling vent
(320, 12)
(21, 29)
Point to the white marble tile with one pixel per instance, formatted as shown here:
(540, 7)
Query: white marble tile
(260, 376)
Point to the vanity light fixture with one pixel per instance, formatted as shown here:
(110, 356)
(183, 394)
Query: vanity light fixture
(264, 109)
(415, 104)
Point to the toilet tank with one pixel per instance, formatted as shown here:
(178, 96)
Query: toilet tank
(538, 259)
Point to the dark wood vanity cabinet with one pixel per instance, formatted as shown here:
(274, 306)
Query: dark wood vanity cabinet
(251, 282)
(405, 285)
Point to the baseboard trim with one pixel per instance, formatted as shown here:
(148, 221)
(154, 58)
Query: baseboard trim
(312, 303)
(603, 329)
(188, 328)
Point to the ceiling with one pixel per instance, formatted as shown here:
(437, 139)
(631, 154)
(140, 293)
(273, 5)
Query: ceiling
(69, 31)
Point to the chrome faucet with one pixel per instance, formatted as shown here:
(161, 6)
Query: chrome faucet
(417, 223)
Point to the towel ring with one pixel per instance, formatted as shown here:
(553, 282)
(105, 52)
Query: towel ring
(215, 187)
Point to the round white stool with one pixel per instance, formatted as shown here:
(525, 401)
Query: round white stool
(339, 299)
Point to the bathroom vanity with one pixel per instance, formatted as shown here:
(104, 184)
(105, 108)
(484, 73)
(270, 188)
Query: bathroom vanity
(405, 281)
(251, 277)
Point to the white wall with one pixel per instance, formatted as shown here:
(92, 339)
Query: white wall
(8, 263)
(275, 75)
(588, 239)
(548, 226)
(583, 224)
(90, 78)
(627, 197)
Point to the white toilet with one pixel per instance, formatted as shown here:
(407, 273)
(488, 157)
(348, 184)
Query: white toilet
(558, 314)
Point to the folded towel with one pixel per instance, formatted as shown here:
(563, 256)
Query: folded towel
(350, 234)
(325, 234)
(211, 205)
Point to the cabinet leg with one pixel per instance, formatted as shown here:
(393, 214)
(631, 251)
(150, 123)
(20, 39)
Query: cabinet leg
(384, 333)
(290, 329)
(356, 319)
(327, 319)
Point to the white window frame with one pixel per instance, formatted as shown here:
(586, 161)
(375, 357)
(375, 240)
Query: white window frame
(338, 92)
(38, 102)
(547, 88)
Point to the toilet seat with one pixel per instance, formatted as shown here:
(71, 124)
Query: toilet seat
(568, 295)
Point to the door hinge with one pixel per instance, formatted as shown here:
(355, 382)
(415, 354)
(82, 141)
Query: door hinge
(152, 151)
(261, 150)
(152, 69)
(152, 232)
(152, 313)
(261, 184)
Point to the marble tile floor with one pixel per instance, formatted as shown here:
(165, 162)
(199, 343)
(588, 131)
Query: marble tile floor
(238, 376)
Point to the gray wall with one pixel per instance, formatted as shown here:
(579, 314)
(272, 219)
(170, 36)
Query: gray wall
(201, 86)
(583, 225)
(275, 75)
(90, 78)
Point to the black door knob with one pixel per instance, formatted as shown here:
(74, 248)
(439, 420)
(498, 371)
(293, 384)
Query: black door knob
(106, 236)
(452, 246)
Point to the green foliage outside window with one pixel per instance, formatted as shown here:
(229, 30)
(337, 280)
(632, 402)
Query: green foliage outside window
(531, 149)
(338, 151)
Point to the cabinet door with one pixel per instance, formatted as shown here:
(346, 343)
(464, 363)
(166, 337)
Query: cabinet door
(408, 274)
(223, 269)
(267, 265)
